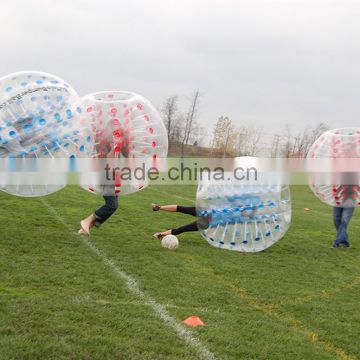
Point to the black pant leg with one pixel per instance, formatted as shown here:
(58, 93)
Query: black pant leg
(189, 210)
(185, 228)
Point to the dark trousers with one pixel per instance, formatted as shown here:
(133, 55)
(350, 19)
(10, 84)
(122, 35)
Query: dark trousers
(104, 212)
(189, 210)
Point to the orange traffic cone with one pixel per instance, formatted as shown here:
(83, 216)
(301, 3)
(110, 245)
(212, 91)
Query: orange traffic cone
(193, 321)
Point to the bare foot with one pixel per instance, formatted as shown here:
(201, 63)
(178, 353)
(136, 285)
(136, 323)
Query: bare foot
(155, 207)
(160, 235)
(85, 228)
(87, 223)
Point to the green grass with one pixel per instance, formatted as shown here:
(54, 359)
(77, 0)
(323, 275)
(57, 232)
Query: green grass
(59, 300)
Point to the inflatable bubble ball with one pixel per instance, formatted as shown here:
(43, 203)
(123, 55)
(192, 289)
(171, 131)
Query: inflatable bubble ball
(333, 161)
(128, 132)
(39, 119)
(243, 217)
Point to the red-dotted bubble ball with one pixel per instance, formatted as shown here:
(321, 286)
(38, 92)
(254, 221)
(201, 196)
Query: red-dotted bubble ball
(334, 164)
(134, 132)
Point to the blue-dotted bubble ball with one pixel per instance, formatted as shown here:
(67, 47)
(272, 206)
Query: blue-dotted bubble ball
(39, 119)
(245, 217)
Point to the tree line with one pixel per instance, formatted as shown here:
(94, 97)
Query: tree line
(229, 139)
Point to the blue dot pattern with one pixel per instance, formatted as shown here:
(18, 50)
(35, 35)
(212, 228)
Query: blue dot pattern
(243, 218)
(40, 117)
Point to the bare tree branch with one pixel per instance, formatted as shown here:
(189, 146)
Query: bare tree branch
(190, 119)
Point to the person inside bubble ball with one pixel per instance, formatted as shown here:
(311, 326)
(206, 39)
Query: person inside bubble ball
(202, 223)
(105, 149)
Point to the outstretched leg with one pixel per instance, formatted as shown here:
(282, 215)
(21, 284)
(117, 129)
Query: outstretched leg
(177, 231)
(189, 210)
(171, 208)
(185, 228)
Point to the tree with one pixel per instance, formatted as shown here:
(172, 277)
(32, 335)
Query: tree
(255, 143)
(287, 147)
(275, 146)
(299, 145)
(199, 135)
(314, 134)
(190, 119)
(249, 140)
(169, 111)
(224, 135)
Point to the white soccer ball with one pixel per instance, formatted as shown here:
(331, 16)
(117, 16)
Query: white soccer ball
(170, 242)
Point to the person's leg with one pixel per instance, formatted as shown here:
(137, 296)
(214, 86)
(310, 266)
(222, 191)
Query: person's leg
(342, 235)
(337, 211)
(86, 224)
(107, 210)
(185, 228)
(345, 220)
(189, 210)
(171, 208)
(177, 231)
(100, 215)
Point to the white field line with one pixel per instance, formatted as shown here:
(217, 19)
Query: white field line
(131, 283)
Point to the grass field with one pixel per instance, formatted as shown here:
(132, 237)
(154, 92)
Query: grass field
(120, 295)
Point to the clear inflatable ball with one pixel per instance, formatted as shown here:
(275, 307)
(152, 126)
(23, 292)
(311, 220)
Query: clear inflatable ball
(334, 165)
(129, 135)
(39, 122)
(243, 217)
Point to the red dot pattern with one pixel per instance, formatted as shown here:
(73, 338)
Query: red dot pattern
(130, 130)
(342, 144)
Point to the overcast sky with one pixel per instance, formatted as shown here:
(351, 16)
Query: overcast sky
(260, 62)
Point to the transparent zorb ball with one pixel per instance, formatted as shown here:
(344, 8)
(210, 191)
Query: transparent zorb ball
(130, 137)
(39, 124)
(334, 165)
(243, 216)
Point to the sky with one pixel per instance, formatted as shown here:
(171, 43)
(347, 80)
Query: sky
(260, 62)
